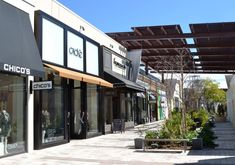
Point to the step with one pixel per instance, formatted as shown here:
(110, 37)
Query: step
(225, 139)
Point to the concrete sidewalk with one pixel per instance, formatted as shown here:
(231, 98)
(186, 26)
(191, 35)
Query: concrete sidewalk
(113, 149)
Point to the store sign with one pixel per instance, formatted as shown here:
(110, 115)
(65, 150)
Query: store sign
(74, 51)
(43, 85)
(16, 69)
(118, 65)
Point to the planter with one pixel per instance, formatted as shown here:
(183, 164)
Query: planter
(220, 118)
(138, 143)
(197, 143)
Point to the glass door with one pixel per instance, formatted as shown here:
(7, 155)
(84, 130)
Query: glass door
(77, 115)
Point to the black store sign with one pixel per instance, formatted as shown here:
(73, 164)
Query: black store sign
(42, 85)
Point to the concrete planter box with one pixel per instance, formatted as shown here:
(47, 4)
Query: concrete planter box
(108, 128)
(129, 124)
(138, 143)
(220, 118)
(197, 143)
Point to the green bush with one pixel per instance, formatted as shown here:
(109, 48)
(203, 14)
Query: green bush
(173, 126)
(151, 134)
(201, 114)
(208, 136)
(191, 134)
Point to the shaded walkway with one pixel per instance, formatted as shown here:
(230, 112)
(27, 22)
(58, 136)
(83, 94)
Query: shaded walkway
(113, 149)
(224, 153)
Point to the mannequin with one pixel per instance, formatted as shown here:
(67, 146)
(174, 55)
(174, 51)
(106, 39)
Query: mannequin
(45, 123)
(5, 128)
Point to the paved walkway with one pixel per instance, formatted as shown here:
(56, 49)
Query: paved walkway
(117, 149)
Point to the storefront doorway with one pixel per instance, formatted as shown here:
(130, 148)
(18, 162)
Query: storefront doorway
(77, 114)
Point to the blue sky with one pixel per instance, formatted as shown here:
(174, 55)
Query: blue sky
(121, 15)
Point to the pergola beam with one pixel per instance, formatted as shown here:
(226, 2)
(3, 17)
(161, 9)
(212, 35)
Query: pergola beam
(188, 46)
(171, 36)
(192, 53)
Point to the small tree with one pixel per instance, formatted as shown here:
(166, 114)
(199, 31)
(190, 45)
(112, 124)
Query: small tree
(212, 94)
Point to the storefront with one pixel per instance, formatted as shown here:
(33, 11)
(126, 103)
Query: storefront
(141, 113)
(119, 101)
(71, 108)
(19, 62)
(162, 105)
(153, 107)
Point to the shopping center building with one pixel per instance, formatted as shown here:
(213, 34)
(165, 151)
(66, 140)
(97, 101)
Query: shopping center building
(61, 78)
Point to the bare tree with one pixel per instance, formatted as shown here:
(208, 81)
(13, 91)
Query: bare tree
(177, 66)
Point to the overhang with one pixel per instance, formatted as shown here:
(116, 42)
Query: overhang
(18, 49)
(66, 73)
(120, 82)
(207, 48)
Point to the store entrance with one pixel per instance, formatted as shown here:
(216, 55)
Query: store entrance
(77, 115)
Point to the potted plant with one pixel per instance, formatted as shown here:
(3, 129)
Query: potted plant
(139, 141)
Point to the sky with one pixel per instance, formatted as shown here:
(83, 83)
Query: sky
(121, 15)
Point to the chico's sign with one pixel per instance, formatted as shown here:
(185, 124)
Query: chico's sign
(42, 85)
(16, 69)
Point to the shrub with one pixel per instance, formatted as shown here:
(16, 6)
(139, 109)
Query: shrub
(173, 128)
(191, 134)
(208, 136)
(202, 115)
(151, 134)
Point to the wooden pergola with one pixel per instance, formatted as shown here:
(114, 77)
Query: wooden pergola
(208, 48)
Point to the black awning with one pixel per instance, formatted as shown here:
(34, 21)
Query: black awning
(120, 82)
(18, 49)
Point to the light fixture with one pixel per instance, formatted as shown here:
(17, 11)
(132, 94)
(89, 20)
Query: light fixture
(82, 28)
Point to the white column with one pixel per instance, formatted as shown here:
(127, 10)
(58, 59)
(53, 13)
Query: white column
(30, 117)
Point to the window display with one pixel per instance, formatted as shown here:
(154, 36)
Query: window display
(92, 108)
(52, 114)
(12, 114)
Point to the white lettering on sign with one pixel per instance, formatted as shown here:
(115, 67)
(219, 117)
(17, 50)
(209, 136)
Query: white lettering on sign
(118, 65)
(16, 69)
(42, 85)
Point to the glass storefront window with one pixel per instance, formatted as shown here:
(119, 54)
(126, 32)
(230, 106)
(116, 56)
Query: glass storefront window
(78, 117)
(53, 123)
(12, 114)
(129, 113)
(92, 108)
(108, 104)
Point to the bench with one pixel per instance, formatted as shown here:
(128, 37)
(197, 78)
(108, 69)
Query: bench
(145, 142)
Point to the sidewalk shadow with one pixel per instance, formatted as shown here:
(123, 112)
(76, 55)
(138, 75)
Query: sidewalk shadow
(212, 152)
(219, 161)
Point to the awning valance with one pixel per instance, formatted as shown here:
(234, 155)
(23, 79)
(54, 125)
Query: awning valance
(18, 49)
(152, 97)
(120, 82)
(140, 94)
(66, 73)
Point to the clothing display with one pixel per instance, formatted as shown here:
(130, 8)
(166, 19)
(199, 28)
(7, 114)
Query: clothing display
(5, 124)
